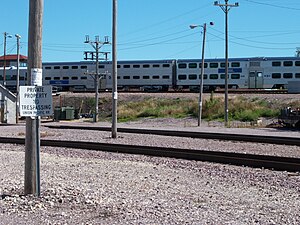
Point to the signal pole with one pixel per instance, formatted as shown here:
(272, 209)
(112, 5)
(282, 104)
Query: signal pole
(226, 7)
(95, 55)
(32, 140)
(18, 76)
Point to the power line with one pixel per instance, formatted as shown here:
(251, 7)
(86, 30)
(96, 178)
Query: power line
(273, 5)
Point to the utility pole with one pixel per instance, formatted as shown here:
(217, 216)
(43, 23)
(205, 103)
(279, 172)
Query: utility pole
(114, 71)
(226, 7)
(18, 77)
(91, 56)
(32, 140)
(6, 35)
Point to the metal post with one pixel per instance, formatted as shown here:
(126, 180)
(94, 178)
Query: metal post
(4, 59)
(226, 7)
(32, 140)
(18, 77)
(201, 80)
(97, 83)
(114, 71)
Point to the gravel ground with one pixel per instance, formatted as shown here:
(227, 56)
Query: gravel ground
(88, 187)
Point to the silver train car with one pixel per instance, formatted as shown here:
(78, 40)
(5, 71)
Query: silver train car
(164, 75)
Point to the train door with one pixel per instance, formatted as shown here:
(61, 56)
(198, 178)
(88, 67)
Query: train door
(256, 79)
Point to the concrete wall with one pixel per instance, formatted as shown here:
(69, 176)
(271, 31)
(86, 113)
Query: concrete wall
(7, 106)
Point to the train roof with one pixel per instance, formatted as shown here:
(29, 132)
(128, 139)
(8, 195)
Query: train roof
(240, 59)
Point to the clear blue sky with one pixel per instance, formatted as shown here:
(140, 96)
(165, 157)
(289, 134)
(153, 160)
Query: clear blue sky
(157, 29)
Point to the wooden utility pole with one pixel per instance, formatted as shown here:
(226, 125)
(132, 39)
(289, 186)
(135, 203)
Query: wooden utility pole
(32, 141)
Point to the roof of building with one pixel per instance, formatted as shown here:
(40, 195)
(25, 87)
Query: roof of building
(13, 57)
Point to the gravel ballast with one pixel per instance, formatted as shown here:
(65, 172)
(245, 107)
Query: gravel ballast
(89, 187)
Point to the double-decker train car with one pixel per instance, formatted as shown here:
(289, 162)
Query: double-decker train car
(258, 73)
(164, 75)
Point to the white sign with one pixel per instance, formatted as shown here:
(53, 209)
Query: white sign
(36, 77)
(36, 101)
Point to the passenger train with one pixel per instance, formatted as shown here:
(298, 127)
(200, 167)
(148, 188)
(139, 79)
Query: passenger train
(164, 75)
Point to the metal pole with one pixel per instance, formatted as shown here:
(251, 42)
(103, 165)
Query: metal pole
(97, 83)
(4, 60)
(114, 71)
(201, 80)
(32, 140)
(18, 77)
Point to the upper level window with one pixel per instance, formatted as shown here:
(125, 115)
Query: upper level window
(146, 77)
(136, 77)
(213, 65)
(146, 66)
(155, 65)
(74, 67)
(101, 66)
(182, 65)
(200, 65)
(48, 67)
(65, 67)
(126, 66)
(56, 67)
(276, 63)
(192, 65)
(166, 65)
(74, 78)
(166, 77)
(235, 64)
(126, 77)
(297, 63)
(136, 66)
(83, 67)
(155, 77)
(288, 63)
(223, 65)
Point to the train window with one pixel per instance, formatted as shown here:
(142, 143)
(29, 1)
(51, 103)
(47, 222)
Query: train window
(83, 67)
(223, 76)
(118, 66)
(1, 77)
(56, 67)
(155, 65)
(223, 65)
(13, 77)
(297, 63)
(146, 77)
(74, 67)
(297, 75)
(213, 76)
(235, 76)
(83, 78)
(56, 78)
(192, 65)
(166, 77)
(47, 78)
(200, 65)
(65, 78)
(276, 63)
(166, 65)
(136, 66)
(182, 65)
(126, 77)
(235, 64)
(21, 78)
(181, 77)
(213, 65)
(136, 77)
(204, 77)
(118, 77)
(47, 67)
(288, 63)
(192, 76)
(101, 67)
(276, 75)
(65, 67)
(74, 78)
(287, 75)
(126, 66)
(155, 77)
(146, 66)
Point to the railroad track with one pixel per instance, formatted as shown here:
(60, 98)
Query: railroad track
(239, 159)
(205, 135)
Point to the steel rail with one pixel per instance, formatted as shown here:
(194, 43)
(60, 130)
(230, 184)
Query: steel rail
(239, 159)
(279, 140)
